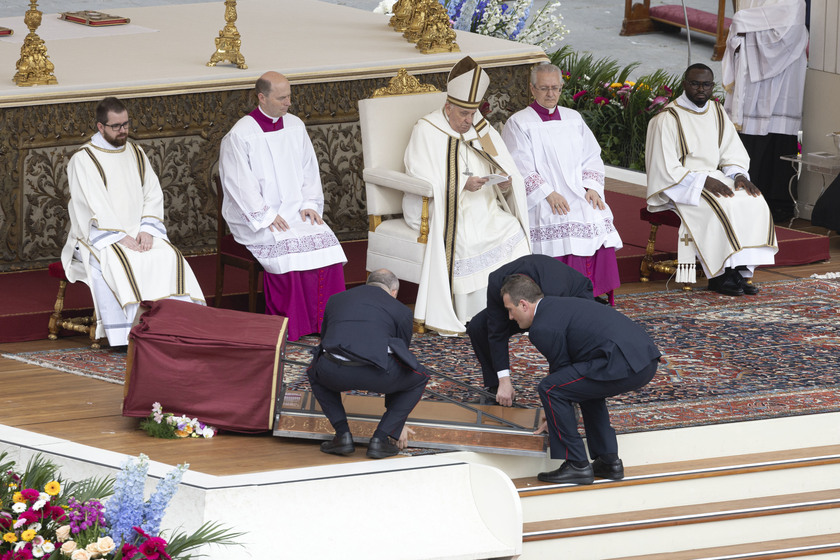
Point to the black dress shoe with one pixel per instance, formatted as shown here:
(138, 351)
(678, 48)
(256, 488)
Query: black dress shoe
(726, 284)
(339, 445)
(612, 471)
(749, 288)
(569, 474)
(379, 448)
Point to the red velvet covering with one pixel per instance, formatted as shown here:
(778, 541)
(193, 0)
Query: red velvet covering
(218, 365)
(56, 270)
(697, 19)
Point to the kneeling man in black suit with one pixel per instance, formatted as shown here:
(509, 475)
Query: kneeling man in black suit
(593, 352)
(365, 337)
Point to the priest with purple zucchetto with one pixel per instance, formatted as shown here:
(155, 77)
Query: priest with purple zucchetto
(560, 160)
(274, 203)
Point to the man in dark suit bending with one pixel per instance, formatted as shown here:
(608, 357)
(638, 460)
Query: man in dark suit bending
(593, 352)
(365, 337)
(491, 329)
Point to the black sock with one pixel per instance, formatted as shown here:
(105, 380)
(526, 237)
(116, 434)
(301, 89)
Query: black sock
(381, 435)
(579, 464)
(609, 457)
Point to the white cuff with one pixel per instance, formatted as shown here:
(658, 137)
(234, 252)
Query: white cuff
(503, 373)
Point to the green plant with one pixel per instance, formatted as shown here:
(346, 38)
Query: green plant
(616, 109)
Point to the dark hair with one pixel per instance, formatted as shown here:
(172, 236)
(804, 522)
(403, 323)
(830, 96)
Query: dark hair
(263, 86)
(519, 287)
(696, 66)
(108, 105)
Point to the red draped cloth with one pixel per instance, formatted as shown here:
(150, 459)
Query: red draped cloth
(218, 365)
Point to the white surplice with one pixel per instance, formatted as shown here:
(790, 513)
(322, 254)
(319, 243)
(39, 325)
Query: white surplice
(561, 156)
(764, 66)
(685, 144)
(487, 228)
(115, 193)
(266, 174)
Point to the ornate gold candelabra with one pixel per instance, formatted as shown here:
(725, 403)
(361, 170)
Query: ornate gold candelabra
(34, 66)
(437, 35)
(228, 41)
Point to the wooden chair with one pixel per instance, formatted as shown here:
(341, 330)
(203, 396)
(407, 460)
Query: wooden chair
(656, 219)
(641, 18)
(231, 253)
(58, 322)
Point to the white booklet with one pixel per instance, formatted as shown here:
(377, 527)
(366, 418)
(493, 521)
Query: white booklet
(493, 179)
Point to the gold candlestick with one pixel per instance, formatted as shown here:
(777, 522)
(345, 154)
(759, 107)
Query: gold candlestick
(228, 41)
(34, 66)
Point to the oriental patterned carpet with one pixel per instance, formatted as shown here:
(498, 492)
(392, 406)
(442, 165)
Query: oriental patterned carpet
(724, 359)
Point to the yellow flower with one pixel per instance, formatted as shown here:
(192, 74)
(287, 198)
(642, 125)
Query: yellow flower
(18, 498)
(182, 433)
(616, 85)
(629, 83)
(52, 488)
(28, 535)
(10, 537)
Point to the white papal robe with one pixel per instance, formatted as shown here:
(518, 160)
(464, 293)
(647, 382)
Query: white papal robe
(266, 174)
(685, 144)
(113, 193)
(471, 234)
(561, 156)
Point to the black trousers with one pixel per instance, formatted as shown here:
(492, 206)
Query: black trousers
(769, 173)
(402, 388)
(477, 331)
(562, 388)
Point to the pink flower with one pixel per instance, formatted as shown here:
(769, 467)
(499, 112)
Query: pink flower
(579, 94)
(154, 549)
(600, 100)
(30, 494)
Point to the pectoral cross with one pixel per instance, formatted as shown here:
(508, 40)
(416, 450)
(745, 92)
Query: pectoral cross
(686, 239)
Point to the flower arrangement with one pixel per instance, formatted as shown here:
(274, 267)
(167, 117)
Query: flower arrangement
(616, 109)
(508, 19)
(505, 19)
(166, 425)
(42, 516)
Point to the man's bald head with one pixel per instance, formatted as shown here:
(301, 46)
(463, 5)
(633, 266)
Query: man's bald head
(274, 94)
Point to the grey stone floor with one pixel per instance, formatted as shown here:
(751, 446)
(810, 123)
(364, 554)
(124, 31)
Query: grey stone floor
(593, 26)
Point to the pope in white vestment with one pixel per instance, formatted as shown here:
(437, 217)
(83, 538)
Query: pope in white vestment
(560, 160)
(117, 242)
(475, 226)
(273, 205)
(697, 166)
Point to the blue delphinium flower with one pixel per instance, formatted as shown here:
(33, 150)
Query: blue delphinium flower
(124, 509)
(154, 509)
(521, 24)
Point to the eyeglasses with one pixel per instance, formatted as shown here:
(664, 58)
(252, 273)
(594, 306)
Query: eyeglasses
(547, 89)
(118, 127)
(697, 85)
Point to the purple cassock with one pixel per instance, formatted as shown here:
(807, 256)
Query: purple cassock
(299, 295)
(601, 268)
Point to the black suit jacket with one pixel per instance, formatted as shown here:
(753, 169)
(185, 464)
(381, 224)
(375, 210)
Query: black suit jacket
(363, 323)
(552, 276)
(596, 340)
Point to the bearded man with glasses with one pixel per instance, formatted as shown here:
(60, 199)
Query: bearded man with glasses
(560, 160)
(117, 243)
(697, 166)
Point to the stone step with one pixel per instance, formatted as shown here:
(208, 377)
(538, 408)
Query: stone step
(662, 530)
(820, 547)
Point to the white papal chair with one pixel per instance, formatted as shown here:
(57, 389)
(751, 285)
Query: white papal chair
(386, 120)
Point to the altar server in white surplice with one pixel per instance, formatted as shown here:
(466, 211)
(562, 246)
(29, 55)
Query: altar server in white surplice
(560, 161)
(273, 205)
(764, 77)
(697, 166)
(116, 228)
(474, 226)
